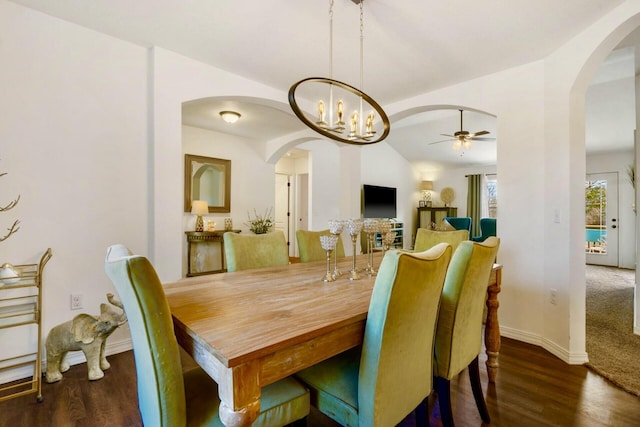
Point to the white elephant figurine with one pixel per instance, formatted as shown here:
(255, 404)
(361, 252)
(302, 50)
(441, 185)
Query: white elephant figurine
(86, 333)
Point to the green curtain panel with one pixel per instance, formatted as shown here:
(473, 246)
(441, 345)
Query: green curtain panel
(474, 208)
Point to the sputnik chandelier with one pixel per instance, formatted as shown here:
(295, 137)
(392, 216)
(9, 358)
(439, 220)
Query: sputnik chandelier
(367, 124)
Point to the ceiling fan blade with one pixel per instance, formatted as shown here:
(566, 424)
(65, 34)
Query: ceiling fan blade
(450, 136)
(482, 132)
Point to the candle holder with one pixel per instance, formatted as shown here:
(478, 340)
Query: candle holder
(384, 226)
(328, 244)
(370, 227)
(387, 240)
(335, 228)
(354, 227)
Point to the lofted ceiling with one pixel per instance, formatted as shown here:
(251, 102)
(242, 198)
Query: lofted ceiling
(411, 46)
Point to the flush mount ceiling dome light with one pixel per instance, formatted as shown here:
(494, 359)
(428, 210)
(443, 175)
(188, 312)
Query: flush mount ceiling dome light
(229, 116)
(363, 126)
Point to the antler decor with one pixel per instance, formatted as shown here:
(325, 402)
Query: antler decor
(14, 227)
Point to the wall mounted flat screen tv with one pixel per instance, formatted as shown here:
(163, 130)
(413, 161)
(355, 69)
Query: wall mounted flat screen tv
(378, 202)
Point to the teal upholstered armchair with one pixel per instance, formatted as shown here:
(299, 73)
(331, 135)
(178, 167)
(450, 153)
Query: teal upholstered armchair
(167, 397)
(426, 239)
(487, 229)
(383, 381)
(460, 223)
(459, 331)
(310, 248)
(255, 250)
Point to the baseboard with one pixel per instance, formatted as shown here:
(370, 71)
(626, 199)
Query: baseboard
(74, 358)
(552, 347)
(519, 335)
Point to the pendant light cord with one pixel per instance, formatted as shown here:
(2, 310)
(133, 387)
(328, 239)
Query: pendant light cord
(361, 44)
(331, 39)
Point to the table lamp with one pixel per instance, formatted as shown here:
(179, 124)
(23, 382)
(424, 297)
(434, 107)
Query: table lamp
(426, 187)
(199, 207)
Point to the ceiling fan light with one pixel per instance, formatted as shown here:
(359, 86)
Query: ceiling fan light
(230, 116)
(457, 145)
(467, 143)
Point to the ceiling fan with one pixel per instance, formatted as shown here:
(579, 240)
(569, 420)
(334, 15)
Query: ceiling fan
(463, 138)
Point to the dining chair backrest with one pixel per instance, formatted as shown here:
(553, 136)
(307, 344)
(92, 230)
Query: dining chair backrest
(161, 397)
(459, 333)
(428, 238)
(460, 223)
(487, 228)
(395, 376)
(310, 248)
(245, 252)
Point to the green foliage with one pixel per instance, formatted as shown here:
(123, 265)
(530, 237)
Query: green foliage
(595, 202)
(260, 224)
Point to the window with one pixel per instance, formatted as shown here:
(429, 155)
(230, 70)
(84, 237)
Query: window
(490, 202)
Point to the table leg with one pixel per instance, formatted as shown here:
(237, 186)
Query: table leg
(239, 395)
(492, 327)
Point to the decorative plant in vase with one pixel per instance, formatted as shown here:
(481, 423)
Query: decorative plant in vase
(14, 227)
(260, 224)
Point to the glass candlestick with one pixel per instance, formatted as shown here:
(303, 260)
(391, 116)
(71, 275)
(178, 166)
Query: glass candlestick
(370, 227)
(335, 228)
(354, 227)
(387, 240)
(328, 244)
(384, 226)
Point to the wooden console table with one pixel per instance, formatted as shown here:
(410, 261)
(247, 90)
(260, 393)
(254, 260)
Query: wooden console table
(194, 239)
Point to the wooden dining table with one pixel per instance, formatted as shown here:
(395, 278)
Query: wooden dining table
(248, 329)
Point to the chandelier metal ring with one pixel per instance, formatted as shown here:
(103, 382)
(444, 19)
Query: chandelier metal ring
(354, 140)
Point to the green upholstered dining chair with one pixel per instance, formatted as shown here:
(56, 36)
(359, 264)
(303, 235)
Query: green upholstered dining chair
(459, 331)
(487, 229)
(460, 223)
(428, 238)
(255, 250)
(381, 382)
(310, 248)
(167, 396)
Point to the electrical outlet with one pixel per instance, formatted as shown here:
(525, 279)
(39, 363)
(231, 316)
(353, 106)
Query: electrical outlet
(553, 296)
(76, 301)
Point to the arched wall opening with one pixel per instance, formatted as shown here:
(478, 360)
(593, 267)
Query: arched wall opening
(577, 118)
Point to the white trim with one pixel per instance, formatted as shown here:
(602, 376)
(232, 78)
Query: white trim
(74, 358)
(552, 347)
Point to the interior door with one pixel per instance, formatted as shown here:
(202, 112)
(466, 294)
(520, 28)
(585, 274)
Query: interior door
(601, 218)
(282, 213)
(302, 204)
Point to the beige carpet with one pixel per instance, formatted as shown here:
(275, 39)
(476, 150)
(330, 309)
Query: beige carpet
(614, 350)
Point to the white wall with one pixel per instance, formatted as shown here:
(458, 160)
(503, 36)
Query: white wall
(541, 168)
(74, 144)
(383, 166)
(324, 183)
(521, 170)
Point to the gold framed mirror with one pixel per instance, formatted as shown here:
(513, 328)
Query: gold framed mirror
(207, 178)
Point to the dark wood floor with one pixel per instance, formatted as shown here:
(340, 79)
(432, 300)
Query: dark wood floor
(533, 388)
